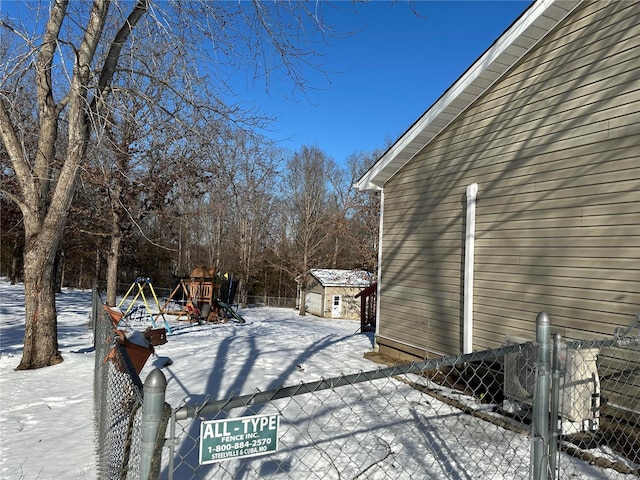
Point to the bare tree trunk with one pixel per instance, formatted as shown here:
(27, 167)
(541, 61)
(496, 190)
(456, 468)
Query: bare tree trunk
(303, 301)
(245, 255)
(244, 293)
(305, 281)
(336, 249)
(62, 274)
(96, 277)
(112, 267)
(244, 289)
(14, 263)
(181, 268)
(43, 231)
(41, 323)
(264, 292)
(58, 269)
(218, 241)
(114, 247)
(303, 288)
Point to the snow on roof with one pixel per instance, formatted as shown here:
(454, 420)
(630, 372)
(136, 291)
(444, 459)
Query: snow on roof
(342, 278)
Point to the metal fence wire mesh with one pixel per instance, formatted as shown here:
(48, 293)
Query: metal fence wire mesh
(279, 302)
(388, 423)
(442, 419)
(600, 384)
(117, 402)
(472, 416)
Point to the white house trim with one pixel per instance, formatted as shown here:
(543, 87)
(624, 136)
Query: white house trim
(532, 26)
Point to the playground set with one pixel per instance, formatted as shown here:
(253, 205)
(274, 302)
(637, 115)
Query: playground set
(203, 297)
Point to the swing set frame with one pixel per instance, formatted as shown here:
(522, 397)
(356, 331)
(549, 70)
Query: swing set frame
(141, 283)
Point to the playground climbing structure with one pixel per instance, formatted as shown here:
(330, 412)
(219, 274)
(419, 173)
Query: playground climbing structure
(205, 296)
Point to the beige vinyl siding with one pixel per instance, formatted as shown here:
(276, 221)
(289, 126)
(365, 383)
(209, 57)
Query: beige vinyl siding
(555, 149)
(350, 308)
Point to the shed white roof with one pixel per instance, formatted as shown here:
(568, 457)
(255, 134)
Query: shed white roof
(342, 278)
(533, 25)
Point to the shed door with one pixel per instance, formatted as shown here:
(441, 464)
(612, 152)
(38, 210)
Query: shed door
(314, 303)
(336, 307)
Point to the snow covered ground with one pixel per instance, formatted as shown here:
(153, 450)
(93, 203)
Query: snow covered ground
(46, 418)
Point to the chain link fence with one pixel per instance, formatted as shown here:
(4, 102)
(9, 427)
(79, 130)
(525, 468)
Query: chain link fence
(447, 418)
(396, 422)
(483, 415)
(264, 301)
(599, 387)
(117, 402)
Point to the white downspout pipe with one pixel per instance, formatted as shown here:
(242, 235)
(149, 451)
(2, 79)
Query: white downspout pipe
(469, 257)
(380, 227)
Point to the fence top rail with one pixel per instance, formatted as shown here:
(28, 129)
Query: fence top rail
(259, 397)
(613, 342)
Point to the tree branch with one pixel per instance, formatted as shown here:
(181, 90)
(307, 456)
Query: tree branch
(47, 111)
(16, 156)
(111, 62)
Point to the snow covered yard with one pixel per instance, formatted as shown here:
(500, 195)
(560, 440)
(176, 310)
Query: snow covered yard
(46, 415)
(382, 429)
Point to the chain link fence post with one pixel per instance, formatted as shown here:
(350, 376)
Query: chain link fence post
(556, 429)
(540, 434)
(155, 387)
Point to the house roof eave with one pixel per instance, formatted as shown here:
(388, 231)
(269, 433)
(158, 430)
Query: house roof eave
(531, 27)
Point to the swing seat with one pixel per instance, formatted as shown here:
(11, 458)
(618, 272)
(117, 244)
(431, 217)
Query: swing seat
(115, 313)
(137, 351)
(137, 354)
(156, 336)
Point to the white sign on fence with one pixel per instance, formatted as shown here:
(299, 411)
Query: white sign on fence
(238, 437)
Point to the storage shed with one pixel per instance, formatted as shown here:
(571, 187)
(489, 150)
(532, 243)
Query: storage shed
(332, 292)
(518, 190)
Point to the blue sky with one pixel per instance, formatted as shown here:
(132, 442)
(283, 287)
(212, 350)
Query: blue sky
(389, 73)
(383, 77)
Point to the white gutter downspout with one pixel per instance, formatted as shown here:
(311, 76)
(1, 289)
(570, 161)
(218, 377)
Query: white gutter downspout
(380, 226)
(469, 256)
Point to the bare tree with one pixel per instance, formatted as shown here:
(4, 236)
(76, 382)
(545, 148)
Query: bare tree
(68, 68)
(145, 150)
(45, 193)
(11, 244)
(252, 175)
(362, 214)
(306, 187)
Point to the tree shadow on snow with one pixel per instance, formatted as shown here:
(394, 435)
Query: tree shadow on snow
(187, 456)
